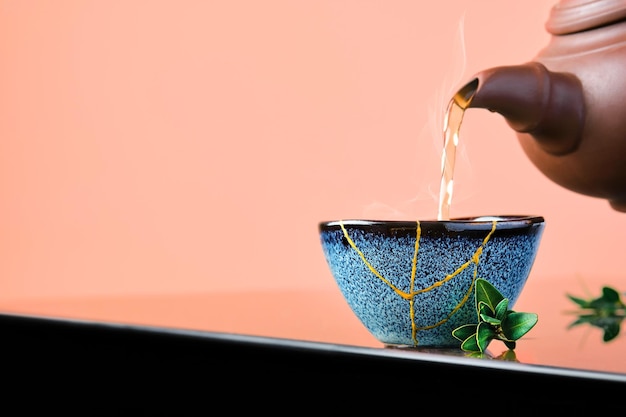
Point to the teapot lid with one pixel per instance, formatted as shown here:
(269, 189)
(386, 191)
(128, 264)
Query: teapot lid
(569, 16)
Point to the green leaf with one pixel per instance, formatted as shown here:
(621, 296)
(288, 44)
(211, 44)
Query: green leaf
(580, 301)
(609, 301)
(502, 308)
(510, 344)
(487, 293)
(611, 331)
(485, 333)
(495, 320)
(610, 295)
(515, 325)
(465, 331)
(485, 310)
(491, 320)
(470, 344)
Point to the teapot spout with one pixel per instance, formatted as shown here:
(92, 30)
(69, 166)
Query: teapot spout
(547, 105)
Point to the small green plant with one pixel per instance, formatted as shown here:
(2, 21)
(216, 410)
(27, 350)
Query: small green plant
(605, 312)
(495, 321)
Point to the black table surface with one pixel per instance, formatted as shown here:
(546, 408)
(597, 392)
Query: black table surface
(267, 350)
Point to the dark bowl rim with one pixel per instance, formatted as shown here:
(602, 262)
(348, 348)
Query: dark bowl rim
(473, 222)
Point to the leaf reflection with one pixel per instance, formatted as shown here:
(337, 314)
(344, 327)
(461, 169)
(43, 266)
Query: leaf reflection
(610, 325)
(605, 312)
(508, 355)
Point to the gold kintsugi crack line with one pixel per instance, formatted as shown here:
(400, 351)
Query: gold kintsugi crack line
(410, 296)
(418, 235)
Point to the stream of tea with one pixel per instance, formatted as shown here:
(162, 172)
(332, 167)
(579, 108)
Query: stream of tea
(451, 126)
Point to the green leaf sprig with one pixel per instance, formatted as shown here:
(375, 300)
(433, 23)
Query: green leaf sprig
(605, 312)
(495, 321)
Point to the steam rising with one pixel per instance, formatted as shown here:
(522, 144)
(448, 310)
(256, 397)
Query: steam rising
(430, 143)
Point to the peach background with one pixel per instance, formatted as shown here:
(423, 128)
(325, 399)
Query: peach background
(193, 146)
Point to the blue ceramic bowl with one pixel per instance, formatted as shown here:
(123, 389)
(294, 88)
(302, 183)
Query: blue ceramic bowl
(411, 283)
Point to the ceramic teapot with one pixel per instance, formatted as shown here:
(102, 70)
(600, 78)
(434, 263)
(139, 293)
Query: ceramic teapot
(568, 105)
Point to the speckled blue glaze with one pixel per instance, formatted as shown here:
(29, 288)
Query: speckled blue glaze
(373, 263)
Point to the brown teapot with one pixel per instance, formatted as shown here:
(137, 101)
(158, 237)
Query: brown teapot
(568, 105)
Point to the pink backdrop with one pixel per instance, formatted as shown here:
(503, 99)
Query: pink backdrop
(192, 146)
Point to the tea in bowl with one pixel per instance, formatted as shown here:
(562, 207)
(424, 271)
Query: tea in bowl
(411, 283)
